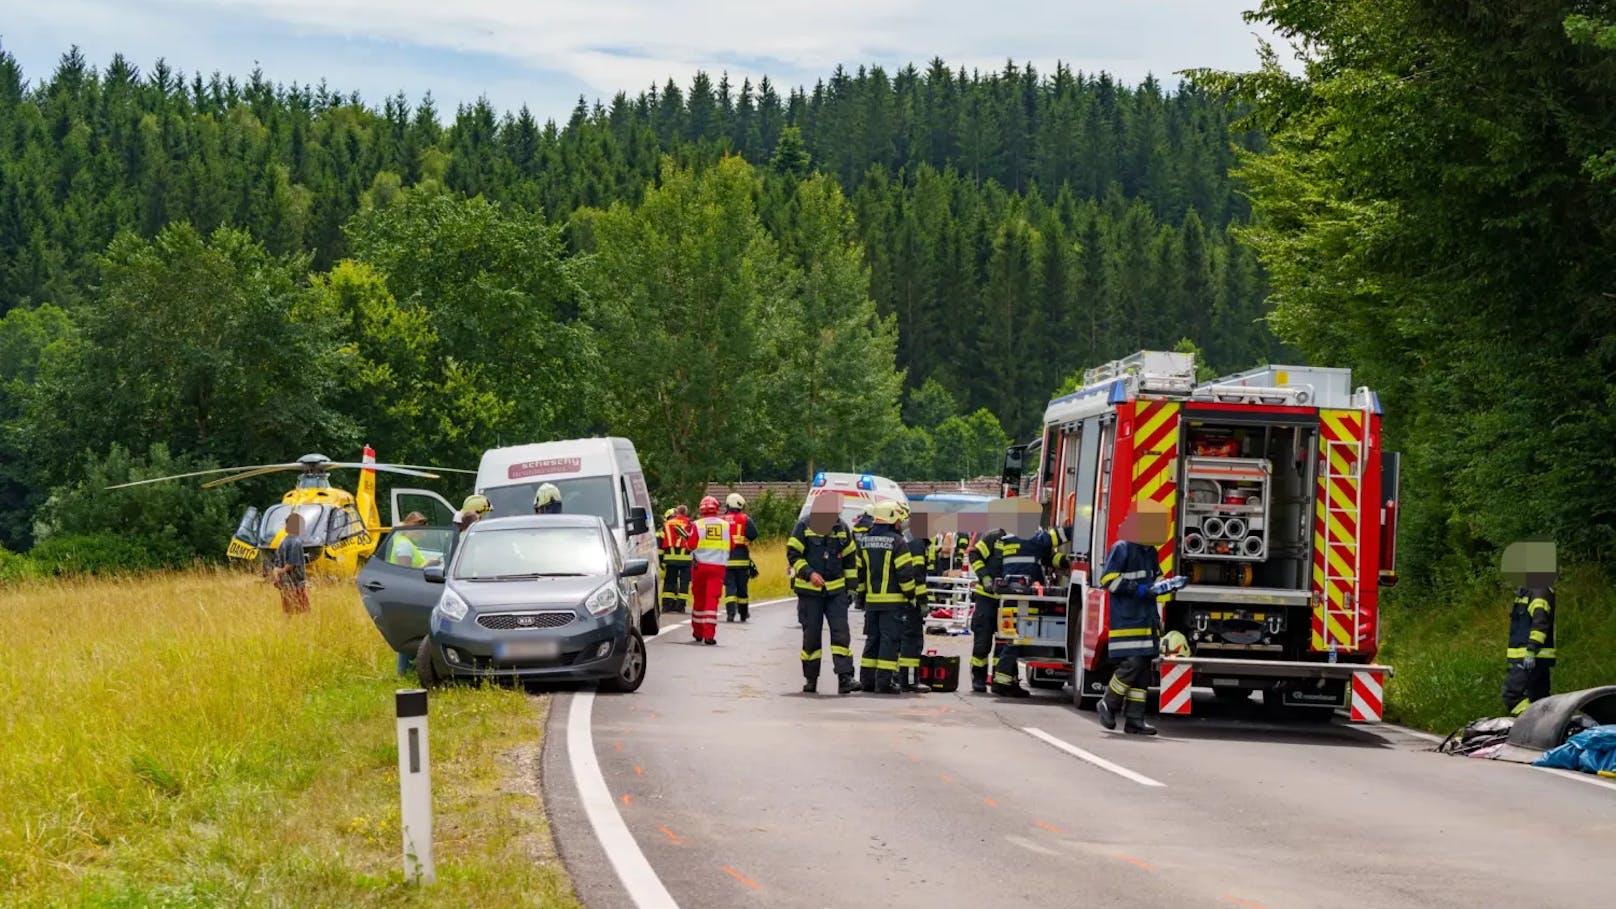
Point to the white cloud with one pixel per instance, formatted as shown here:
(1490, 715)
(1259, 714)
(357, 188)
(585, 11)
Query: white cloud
(604, 46)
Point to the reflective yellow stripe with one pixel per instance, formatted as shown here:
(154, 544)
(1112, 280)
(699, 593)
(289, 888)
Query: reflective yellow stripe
(889, 665)
(867, 662)
(1130, 632)
(908, 662)
(806, 656)
(799, 567)
(885, 598)
(1540, 637)
(1000, 678)
(1108, 578)
(979, 661)
(837, 650)
(795, 544)
(1546, 653)
(1136, 694)
(1537, 604)
(1520, 708)
(1117, 686)
(1514, 653)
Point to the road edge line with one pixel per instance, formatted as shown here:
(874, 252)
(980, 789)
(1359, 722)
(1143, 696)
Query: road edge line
(1092, 758)
(645, 889)
(1576, 775)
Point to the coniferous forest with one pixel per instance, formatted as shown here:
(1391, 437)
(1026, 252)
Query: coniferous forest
(886, 271)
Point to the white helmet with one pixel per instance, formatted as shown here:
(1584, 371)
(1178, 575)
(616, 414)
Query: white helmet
(735, 501)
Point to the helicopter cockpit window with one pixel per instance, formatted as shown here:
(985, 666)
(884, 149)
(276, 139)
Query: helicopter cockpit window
(314, 524)
(344, 523)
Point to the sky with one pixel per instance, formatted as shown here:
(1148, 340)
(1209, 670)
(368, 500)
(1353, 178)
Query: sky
(545, 54)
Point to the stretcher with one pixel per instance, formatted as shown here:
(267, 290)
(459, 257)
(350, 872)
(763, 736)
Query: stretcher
(1036, 623)
(948, 609)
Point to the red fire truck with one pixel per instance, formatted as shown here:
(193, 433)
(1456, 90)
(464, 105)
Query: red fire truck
(1283, 518)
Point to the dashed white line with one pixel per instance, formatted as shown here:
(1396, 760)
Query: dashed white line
(668, 629)
(639, 879)
(1091, 758)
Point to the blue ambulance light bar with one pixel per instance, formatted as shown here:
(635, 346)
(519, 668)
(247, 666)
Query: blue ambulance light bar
(866, 482)
(819, 479)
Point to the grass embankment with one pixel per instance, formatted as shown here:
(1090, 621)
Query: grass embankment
(1448, 652)
(175, 741)
(771, 582)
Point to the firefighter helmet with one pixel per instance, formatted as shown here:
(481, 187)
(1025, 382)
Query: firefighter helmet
(708, 507)
(885, 512)
(547, 500)
(477, 505)
(736, 502)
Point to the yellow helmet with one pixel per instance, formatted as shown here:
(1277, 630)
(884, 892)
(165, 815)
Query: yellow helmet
(477, 505)
(886, 513)
(1174, 644)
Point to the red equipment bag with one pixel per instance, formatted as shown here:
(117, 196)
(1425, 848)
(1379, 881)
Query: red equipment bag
(940, 673)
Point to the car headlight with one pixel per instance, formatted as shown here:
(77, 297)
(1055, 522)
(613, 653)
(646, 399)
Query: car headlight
(603, 600)
(452, 606)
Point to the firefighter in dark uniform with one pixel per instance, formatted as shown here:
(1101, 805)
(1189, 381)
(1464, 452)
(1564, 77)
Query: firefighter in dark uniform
(824, 567)
(861, 526)
(923, 555)
(677, 540)
(1531, 653)
(887, 584)
(986, 559)
(1026, 561)
(1132, 575)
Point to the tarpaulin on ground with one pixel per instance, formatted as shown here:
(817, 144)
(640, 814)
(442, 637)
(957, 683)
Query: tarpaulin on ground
(1589, 752)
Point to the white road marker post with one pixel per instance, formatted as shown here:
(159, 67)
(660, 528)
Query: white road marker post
(414, 786)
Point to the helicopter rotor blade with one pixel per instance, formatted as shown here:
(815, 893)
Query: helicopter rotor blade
(387, 468)
(199, 473)
(439, 469)
(249, 474)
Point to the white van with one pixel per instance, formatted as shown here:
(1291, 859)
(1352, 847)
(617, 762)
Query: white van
(596, 476)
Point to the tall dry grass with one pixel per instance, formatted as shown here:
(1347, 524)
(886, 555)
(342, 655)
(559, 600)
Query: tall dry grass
(175, 740)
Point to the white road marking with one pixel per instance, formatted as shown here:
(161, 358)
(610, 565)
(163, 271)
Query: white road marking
(1091, 758)
(666, 629)
(644, 888)
(1407, 731)
(1580, 777)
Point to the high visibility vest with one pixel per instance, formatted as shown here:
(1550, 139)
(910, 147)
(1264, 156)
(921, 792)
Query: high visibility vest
(712, 541)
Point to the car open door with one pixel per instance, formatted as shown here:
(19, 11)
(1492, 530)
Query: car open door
(393, 583)
(435, 508)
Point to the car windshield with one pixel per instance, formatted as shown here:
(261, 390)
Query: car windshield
(314, 524)
(579, 495)
(527, 552)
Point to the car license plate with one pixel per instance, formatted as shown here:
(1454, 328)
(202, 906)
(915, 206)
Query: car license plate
(527, 650)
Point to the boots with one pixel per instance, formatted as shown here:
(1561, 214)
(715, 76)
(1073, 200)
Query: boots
(1134, 720)
(1012, 690)
(907, 682)
(810, 686)
(885, 683)
(867, 679)
(844, 683)
(979, 683)
(1108, 713)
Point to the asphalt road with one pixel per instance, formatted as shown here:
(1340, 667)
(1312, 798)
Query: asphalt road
(741, 791)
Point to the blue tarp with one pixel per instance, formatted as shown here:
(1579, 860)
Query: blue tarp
(1589, 752)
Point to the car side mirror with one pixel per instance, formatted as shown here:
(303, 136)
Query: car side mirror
(433, 574)
(634, 568)
(638, 521)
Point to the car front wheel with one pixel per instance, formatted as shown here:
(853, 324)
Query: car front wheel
(632, 672)
(426, 670)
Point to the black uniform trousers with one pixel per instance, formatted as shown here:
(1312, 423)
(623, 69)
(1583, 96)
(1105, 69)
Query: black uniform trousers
(1131, 683)
(817, 611)
(984, 622)
(911, 636)
(1522, 685)
(737, 598)
(882, 630)
(675, 586)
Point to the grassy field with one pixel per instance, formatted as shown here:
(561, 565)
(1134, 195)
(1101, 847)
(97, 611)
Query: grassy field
(1448, 652)
(174, 741)
(771, 582)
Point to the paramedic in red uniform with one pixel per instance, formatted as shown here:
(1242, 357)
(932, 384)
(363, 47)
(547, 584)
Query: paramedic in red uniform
(707, 574)
(737, 599)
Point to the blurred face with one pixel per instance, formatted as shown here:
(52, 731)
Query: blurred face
(973, 521)
(1529, 564)
(1146, 525)
(822, 513)
(1024, 517)
(920, 520)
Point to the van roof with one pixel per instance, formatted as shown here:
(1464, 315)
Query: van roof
(564, 457)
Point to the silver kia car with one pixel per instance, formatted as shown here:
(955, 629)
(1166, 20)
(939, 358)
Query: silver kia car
(535, 598)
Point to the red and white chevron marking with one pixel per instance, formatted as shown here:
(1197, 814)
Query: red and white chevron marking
(1367, 697)
(1175, 687)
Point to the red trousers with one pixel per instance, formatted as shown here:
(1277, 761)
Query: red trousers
(706, 589)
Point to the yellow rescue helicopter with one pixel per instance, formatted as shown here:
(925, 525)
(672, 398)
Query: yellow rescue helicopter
(340, 529)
